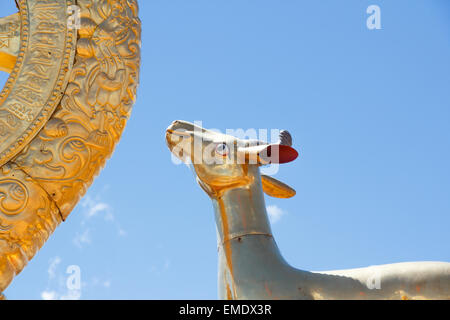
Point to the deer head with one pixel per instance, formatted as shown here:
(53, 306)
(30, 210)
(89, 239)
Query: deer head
(222, 162)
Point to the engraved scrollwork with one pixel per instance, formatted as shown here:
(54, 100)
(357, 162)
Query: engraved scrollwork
(61, 161)
(40, 74)
(70, 151)
(27, 218)
(13, 197)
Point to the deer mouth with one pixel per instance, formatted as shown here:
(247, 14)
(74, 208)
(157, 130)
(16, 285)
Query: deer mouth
(175, 133)
(179, 138)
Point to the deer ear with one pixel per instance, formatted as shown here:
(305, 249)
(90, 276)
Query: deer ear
(278, 153)
(276, 189)
(269, 154)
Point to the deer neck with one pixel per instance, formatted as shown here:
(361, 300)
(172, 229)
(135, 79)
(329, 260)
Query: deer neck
(244, 235)
(241, 211)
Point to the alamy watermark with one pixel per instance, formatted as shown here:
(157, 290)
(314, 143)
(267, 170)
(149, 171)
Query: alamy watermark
(374, 20)
(73, 282)
(374, 281)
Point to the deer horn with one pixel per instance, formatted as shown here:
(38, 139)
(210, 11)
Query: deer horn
(285, 138)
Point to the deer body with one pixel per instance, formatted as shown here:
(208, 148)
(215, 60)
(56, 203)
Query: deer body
(250, 263)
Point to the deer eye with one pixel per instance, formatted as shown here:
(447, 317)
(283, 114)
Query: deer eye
(222, 149)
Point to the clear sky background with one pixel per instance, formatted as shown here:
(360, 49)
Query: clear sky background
(369, 111)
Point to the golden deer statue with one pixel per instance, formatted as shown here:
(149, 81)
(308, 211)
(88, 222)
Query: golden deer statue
(250, 263)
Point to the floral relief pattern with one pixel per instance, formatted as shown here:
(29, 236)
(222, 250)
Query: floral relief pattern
(40, 187)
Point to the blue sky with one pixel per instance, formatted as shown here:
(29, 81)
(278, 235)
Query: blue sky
(369, 111)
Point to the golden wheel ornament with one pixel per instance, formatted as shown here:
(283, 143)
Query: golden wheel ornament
(62, 110)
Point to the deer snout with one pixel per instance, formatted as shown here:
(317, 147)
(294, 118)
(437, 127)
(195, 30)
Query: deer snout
(178, 139)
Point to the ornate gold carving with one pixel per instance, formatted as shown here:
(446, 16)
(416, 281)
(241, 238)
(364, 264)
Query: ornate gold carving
(40, 74)
(46, 179)
(85, 128)
(27, 218)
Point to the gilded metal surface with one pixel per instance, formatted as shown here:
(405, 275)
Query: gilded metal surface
(276, 189)
(250, 263)
(82, 133)
(28, 217)
(37, 81)
(41, 184)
